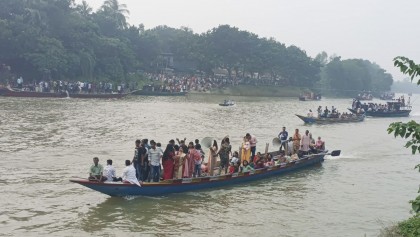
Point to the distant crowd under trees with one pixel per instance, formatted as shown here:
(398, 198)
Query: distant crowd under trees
(62, 40)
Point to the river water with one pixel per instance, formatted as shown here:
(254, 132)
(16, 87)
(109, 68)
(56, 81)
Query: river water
(45, 142)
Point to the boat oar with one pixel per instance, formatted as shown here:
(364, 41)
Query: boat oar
(333, 153)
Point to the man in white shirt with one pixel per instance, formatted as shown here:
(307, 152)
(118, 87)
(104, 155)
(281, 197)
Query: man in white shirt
(155, 156)
(305, 142)
(129, 174)
(109, 172)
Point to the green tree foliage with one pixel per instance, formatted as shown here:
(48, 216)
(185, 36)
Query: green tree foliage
(350, 77)
(60, 39)
(410, 131)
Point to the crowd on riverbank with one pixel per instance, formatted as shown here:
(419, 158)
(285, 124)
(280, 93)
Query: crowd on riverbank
(178, 83)
(187, 160)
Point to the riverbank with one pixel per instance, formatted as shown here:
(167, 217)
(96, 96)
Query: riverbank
(257, 91)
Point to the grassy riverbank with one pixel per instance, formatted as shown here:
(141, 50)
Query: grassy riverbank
(258, 91)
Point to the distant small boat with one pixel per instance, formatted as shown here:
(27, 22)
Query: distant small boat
(227, 103)
(410, 94)
(9, 92)
(387, 96)
(316, 120)
(310, 97)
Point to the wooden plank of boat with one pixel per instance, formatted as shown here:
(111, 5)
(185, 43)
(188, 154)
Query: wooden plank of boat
(315, 120)
(385, 114)
(193, 184)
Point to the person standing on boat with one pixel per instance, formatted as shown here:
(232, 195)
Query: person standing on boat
(283, 135)
(129, 173)
(154, 156)
(246, 150)
(194, 157)
(306, 141)
(253, 143)
(212, 158)
(136, 159)
(296, 141)
(168, 162)
(224, 153)
(96, 171)
(289, 150)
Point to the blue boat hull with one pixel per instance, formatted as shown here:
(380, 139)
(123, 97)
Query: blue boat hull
(314, 120)
(399, 113)
(194, 184)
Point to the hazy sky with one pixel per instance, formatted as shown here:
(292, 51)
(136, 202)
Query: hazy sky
(377, 30)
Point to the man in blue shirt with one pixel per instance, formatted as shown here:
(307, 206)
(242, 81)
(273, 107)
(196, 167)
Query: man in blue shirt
(283, 135)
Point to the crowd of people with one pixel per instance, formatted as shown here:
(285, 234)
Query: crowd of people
(177, 83)
(395, 105)
(333, 113)
(186, 160)
(58, 86)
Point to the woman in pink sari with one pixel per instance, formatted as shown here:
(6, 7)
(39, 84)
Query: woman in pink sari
(212, 158)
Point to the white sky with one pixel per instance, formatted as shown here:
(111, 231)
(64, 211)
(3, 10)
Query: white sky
(376, 30)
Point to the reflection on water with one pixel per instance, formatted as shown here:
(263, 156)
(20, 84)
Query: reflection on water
(44, 142)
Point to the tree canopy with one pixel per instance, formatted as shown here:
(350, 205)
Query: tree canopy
(59, 39)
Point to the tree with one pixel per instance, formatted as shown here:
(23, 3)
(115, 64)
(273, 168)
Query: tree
(411, 131)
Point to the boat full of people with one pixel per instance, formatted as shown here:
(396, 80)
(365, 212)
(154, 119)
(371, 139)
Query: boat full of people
(327, 116)
(184, 169)
(75, 91)
(228, 103)
(310, 96)
(395, 108)
(387, 96)
(364, 96)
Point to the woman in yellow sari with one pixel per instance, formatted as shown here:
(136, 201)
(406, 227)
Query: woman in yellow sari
(246, 150)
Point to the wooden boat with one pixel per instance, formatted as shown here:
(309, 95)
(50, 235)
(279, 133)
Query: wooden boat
(9, 92)
(310, 97)
(387, 96)
(386, 114)
(194, 184)
(228, 103)
(316, 120)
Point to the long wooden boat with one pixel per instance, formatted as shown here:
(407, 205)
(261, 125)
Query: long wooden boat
(308, 98)
(386, 114)
(193, 184)
(159, 93)
(5, 91)
(316, 120)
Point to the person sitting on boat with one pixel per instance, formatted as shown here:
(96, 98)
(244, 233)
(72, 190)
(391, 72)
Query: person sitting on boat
(310, 114)
(232, 168)
(246, 166)
(320, 145)
(269, 161)
(259, 164)
(109, 172)
(96, 171)
(319, 110)
(129, 174)
(235, 158)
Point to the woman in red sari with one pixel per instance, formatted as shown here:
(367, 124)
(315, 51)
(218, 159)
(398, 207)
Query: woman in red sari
(168, 162)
